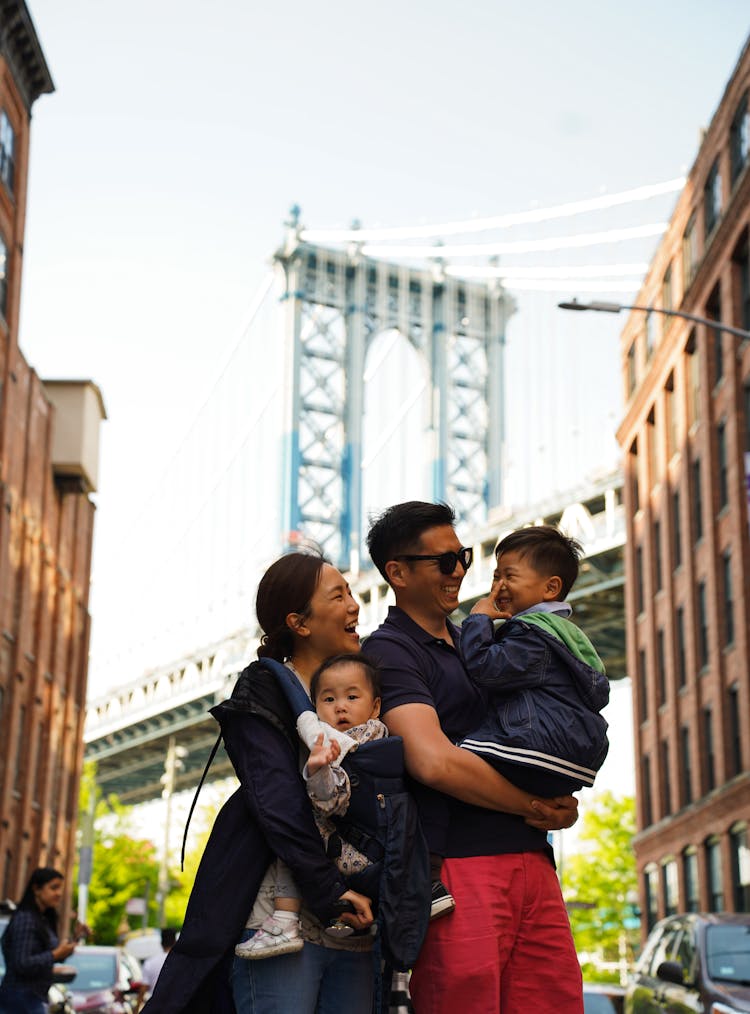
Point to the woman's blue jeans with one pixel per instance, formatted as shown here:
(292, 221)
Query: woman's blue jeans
(315, 980)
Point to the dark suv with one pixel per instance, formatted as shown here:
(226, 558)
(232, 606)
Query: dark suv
(693, 964)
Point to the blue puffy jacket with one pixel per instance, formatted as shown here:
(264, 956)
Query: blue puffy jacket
(545, 689)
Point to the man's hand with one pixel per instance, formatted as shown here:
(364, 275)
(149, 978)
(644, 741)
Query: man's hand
(554, 814)
(322, 754)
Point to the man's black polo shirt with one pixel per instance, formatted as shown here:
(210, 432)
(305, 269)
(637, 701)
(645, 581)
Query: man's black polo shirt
(417, 668)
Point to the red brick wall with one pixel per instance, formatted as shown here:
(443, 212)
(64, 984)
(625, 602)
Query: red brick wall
(45, 561)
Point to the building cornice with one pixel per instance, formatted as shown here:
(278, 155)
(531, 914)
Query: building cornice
(20, 47)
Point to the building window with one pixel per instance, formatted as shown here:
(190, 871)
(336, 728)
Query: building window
(708, 749)
(633, 462)
(694, 379)
(716, 336)
(703, 647)
(681, 655)
(657, 555)
(3, 277)
(690, 879)
(697, 500)
(642, 686)
(712, 199)
(651, 890)
(670, 881)
(648, 812)
(735, 737)
(652, 460)
(713, 868)
(690, 254)
(666, 294)
(739, 139)
(687, 771)
(726, 566)
(631, 372)
(666, 781)
(7, 152)
(661, 664)
(650, 326)
(676, 529)
(722, 464)
(741, 265)
(740, 867)
(639, 579)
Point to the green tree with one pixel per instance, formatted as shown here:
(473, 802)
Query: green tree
(600, 882)
(123, 866)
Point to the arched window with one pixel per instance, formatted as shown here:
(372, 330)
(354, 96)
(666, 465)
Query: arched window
(651, 885)
(690, 879)
(740, 850)
(715, 880)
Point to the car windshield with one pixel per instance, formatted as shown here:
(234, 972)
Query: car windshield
(597, 1003)
(728, 953)
(95, 971)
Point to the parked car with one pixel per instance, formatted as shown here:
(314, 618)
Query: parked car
(602, 998)
(108, 981)
(693, 963)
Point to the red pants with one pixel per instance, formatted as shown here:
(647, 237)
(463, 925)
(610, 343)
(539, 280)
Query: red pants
(506, 949)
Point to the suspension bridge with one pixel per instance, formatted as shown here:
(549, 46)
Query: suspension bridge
(376, 365)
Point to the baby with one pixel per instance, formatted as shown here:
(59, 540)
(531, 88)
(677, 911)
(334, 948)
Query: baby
(346, 694)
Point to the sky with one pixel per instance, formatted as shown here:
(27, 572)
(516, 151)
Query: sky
(180, 133)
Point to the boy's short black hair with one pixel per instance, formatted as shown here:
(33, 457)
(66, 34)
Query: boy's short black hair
(399, 528)
(548, 551)
(371, 671)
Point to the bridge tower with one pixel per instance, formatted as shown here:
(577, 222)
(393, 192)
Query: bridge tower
(336, 303)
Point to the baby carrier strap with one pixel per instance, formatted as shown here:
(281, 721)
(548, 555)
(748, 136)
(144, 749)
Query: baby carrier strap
(290, 685)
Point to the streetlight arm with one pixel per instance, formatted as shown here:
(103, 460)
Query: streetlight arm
(617, 307)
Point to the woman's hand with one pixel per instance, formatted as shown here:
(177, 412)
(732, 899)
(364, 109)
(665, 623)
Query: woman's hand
(361, 918)
(554, 814)
(322, 754)
(63, 950)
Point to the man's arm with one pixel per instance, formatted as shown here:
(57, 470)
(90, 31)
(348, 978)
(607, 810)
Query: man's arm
(432, 759)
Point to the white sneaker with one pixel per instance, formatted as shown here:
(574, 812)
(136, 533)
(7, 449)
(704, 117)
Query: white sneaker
(271, 939)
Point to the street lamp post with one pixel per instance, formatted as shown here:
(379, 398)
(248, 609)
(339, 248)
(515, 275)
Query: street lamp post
(600, 307)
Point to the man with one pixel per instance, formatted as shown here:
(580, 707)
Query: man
(152, 966)
(507, 947)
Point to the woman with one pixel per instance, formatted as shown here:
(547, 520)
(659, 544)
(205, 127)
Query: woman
(308, 614)
(31, 946)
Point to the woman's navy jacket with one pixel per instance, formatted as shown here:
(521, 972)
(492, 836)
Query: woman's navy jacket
(269, 815)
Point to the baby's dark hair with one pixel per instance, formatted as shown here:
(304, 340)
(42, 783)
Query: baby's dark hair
(547, 550)
(371, 671)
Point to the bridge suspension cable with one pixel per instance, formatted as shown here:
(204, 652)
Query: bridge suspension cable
(534, 215)
(445, 251)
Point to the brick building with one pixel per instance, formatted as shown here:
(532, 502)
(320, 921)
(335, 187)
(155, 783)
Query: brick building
(48, 458)
(686, 443)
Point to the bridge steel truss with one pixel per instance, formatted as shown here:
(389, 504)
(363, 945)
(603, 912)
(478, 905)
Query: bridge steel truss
(337, 302)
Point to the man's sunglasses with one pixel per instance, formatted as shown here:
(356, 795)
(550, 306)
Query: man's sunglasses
(446, 561)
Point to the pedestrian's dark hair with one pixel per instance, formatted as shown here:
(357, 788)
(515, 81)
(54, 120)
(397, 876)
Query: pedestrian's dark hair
(42, 875)
(547, 550)
(286, 587)
(399, 529)
(168, 938)
(368, 667)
